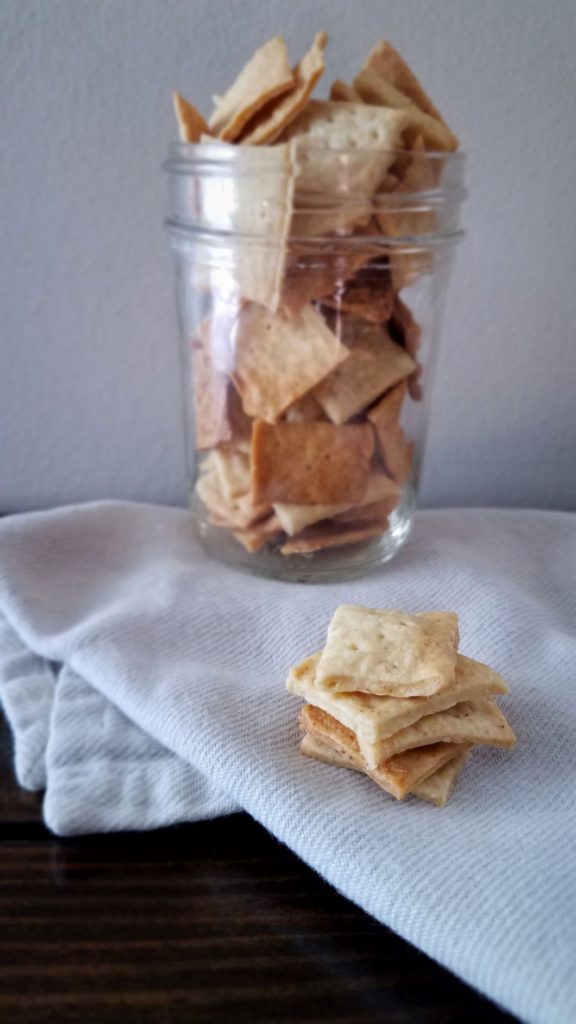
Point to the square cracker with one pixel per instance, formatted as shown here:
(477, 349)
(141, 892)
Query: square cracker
(266, 76)
(376, 363)
(232, 468)
(477, 721)
(437, 788)
(281, 356)
(375, 718)
(395, 449)
(218, 414)
(374, 89)
(191, 124)
(397, 219)
(332, 535)
(271, 121)
(240, 512)
(398, 775)
(295, 518)
(314, 270)
(368, 296)
(367, 135)
(256, 207)
(391, 653)
(310, 463)
(257, 536)
(394, 70)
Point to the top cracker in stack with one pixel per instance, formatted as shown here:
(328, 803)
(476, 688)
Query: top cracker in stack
(303, 368)
(391, 696)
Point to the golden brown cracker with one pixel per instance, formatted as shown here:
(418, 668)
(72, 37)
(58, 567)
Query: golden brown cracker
(332, 535)
(397, 775)
(380, 492)
(255, 538)
(374, 717)
(342, 92)
(191, 124)
(280, 357)
(374, 89)
(310, 463)
(376, 363)
(267, 75)
(368, 296)
(477, 721)
(271, 121)
(393, 69)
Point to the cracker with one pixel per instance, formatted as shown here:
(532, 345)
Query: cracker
(353, 177)
(394, 70)
(255, 538)
(219, 416)
(279, 357)
(331, 535)
(372, 512)
(313, 271)
(404, 328)
(374, 89)
(399, 774)
(375, 718)
(266, 76)
(310, 463)
(369, 295)
(376, 363)
(191, 124)
(211, 400)
(295, 518)
(395, 449)
(271, 121)
(255, 207)
(305, 410)
(397, 220)
(240, 512)
(343, 92)
(477, 721)
(233, 471)
(390, 653)
(437, 788)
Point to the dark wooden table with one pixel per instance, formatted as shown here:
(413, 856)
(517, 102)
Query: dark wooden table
(208, 922)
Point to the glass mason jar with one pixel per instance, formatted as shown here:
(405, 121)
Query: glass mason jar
(310, 289)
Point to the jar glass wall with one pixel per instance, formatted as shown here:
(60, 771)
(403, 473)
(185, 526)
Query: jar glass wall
(310, 311)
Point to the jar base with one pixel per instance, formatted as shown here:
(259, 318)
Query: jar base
(330, 565)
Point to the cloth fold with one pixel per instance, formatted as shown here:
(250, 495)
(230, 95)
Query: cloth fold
(145, 685)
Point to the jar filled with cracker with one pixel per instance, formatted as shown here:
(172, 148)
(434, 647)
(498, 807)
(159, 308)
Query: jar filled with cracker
(312, 242)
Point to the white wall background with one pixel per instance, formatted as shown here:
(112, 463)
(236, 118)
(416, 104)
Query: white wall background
(89, 389)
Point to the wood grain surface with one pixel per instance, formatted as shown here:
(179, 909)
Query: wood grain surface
(213, 922)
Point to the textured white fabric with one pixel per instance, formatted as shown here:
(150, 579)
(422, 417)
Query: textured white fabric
(145, 684)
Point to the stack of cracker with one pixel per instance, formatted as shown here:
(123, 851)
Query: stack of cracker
(390, 696)
(303, 368)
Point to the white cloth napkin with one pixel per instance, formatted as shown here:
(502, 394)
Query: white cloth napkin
(145, 685)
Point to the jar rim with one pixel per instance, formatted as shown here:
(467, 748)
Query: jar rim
(184, 157)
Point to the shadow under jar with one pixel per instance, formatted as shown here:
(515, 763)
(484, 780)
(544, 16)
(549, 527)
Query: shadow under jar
(310, 290)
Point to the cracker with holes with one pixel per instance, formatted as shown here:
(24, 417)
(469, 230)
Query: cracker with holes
(362, 711)
(389, 652)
